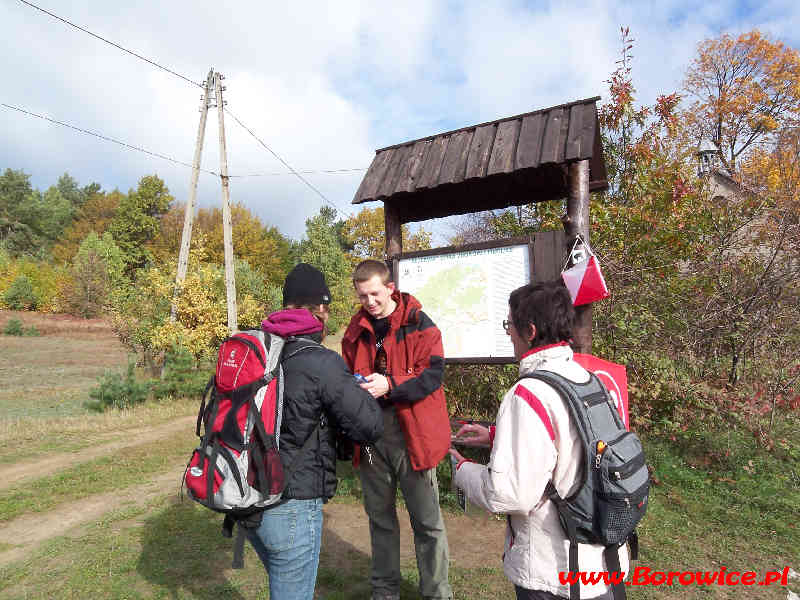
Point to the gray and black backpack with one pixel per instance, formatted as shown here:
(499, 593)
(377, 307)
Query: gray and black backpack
(605, 506)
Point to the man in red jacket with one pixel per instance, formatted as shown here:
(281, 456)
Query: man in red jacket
(398, 349)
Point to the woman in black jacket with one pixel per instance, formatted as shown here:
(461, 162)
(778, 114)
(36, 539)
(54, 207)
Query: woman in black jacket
(320, 395)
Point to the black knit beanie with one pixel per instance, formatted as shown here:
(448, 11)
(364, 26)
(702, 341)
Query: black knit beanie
(305, 285)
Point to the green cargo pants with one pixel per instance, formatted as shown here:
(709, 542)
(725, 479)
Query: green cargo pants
(383, 466)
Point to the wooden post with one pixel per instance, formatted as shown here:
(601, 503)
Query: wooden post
(230, 281)
(394, 231)
(576, 222)
(188, 217)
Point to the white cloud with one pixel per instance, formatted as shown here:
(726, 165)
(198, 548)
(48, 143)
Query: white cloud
(323, 83)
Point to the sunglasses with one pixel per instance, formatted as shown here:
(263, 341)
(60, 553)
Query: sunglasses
(506, 325)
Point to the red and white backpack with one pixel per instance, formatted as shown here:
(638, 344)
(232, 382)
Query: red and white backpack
(236, 469)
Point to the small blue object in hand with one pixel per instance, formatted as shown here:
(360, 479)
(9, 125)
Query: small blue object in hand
(360, 378)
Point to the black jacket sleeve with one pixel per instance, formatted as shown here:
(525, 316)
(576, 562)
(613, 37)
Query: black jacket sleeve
(355, 411)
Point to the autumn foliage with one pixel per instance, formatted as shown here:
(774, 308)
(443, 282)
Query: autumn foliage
(745, 91)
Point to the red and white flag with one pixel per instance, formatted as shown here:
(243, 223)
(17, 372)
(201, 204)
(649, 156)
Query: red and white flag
(614, 376)
(585, 282)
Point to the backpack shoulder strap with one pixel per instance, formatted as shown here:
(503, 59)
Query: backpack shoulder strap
(571, 397)
(592, 410)
(589, 403)
(309, 345)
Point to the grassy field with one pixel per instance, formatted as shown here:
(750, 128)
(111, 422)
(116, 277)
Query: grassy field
(90, 527)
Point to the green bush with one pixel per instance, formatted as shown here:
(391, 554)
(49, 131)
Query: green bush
(475, 391)
(14, 327)
(118, 391)
(20, 295)
(181, 378)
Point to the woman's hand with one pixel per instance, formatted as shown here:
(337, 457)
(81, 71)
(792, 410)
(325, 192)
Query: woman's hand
(457, 457)
(472, 434)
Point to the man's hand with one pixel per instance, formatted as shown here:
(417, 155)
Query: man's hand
(472, 434)
(377, 385)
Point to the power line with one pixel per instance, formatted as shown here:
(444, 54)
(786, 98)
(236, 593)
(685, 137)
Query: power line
(326, 171)
(284, 163)
(187, 79)
(103, 137)
(162, 156)
(131, 52)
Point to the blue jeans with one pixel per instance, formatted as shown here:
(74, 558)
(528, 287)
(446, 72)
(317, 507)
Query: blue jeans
(288, 543)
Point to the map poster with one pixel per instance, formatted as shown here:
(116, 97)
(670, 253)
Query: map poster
(466, 295)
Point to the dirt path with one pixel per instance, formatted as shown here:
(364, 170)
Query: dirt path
(70, 518)
(474, 541)
(12, 474)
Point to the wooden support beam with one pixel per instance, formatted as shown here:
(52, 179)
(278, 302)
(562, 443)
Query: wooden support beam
(394, 230)
(576, 222)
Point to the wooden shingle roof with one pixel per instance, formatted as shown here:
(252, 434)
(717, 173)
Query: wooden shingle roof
(511, 161)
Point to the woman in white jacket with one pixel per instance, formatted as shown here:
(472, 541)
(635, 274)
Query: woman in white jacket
(533, 443)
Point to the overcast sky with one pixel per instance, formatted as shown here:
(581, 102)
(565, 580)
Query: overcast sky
(323, 84)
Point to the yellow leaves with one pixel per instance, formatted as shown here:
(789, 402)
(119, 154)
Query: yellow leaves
(264, 249)
(746, 87)
(365, 232)
(775, 173)
(201, 321)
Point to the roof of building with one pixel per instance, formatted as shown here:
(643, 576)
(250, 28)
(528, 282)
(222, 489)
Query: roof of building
(511, 161)
(706, 145)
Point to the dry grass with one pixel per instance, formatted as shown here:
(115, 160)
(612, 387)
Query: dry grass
(333, 341)
(58, 324)
(34, 436)
(52, 375)
(46, 380)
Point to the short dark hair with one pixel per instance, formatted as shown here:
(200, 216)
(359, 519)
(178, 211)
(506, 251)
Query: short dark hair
(548, 306)
(367, 269)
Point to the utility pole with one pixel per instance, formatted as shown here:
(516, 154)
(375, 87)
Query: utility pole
(214, 80)
(230, 282)
(188, 218)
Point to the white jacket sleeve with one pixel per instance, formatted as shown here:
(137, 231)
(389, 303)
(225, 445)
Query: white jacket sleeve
(522, 462)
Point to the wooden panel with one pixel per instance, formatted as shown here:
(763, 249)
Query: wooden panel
(505, 142)
(372, 180)
(573, 145)
(502, 243)
(597, 165)
(393, 171)
(455, 159)
(479, 151)
(433, 163)
(588, 131)
(548, 251)
(552, 146)
(529, 148)
(580, 139)
(407, 181)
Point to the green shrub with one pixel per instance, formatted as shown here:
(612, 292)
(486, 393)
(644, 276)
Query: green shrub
(117, 391)
(96, 274)
(475, 391)
(20, 295)
(14, 327)
(182, 378)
